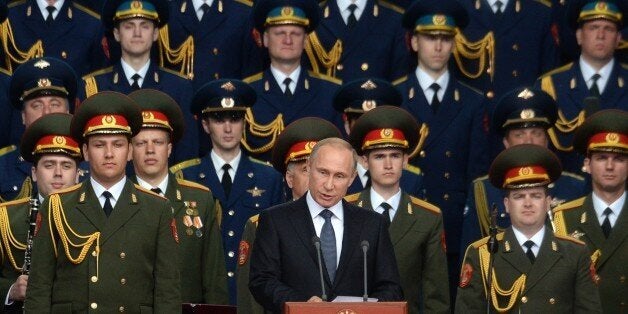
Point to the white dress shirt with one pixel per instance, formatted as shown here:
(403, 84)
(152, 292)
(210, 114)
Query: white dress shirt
(337, 221)
(599, 206)
(219, 162)
(129, 72)
(362, 174)
(163, 185)
(425, 81)
(343, 7)
(493, 5)
(377, 200)
(537, 239)
(588, 71)
(197, 7)
(280, 77)
(43, 4)
(115, 190)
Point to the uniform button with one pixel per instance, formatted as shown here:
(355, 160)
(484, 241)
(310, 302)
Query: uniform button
(364, 66)
(422, 154)
(215, 51)
(64, 55)
(622, 279)
(121, 309)
(490, 94)
(551, 185)
(524, 300)
(515, 73)
(448, 154)
(123, 281)
(93, 306)
(446, 175)
(122, 255)
(488, 71)
(339, 67)
(515, 47)
(552, 300)
(230, 274)
(201, 175)
(503, 215)
(231, 254)
(216, 75)
(231, 233)
(94, 253)
(94, 279)
(446, 196)
(231, 212)
(256, 205)
(14, 188)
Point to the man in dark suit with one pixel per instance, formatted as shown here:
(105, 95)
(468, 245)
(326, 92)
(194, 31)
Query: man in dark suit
(600, 219)
(284, 264)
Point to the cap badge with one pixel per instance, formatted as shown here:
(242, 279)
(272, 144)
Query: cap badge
(227, 102)
(310, 145)
(601, 6)
(136, 4)
(526, 171)
(369, 105)
(42, 64)
(287, 11)
(439, 19)
(228, 87)
(526, 94)
(368, 85)
(108, 120)
(147, 115)
(386, 133)
(612, 138)
(44, 82)
(59, 140)
(527, 114)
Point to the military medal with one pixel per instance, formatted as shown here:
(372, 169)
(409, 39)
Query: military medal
(189, 231)
(198, 233)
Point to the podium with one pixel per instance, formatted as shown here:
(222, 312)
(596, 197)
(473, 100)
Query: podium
(346, 307)
(192, 308)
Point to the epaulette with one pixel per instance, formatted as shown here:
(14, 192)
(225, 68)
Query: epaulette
(573, 175)
(192, 185)
(185, 164)
(98, 72)
(147, 191)
(69, 189)
(16, 3)
(261, 162)
(352, 198)
(5, 71)
(479, 92)
(477, 244)
(86, 10)
(557, 70)
(7, 149)
(253, 78)
(254, 220)
(391, 6)
(428, 206)
(245, 2)
(173, 72)
(414, 169)
(16, 202)
(325, 77)
(569, 205)
(400, 80)
(570, 239)
(482, 178)
(546, 3)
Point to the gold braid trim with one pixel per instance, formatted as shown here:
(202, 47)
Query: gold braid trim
(271, 130)
(26, 190)
(55, 208)
(482, 50)
(559, 224)
(91, 87)
(423, 133)
(513, 293)
(13, 53)
(316, 54)
(562, 124)
(8, 240)
(183, 55)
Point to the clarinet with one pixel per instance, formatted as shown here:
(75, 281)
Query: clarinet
(34, 209)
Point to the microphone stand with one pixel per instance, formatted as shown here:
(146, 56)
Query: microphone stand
(317, 244)
(365, 248)
(492, 249)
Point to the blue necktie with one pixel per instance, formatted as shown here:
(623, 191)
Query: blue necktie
(328, 244)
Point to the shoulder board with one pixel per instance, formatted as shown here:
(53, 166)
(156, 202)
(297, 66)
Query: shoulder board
(261, 162)
(400, 80)
(98, 72)
(325, 77)
(570, 239)
(185, 164)
(16, 3)
(173, 73)
(86, 10)
(479, 92)
(16, 202)
(558, 70)
(546, 3)
(414, 169)
(245, 2)
(477, 244)
(147, 191)
(253, 78)
(430, 207)
(569, 205)
(7, 149)
(69, 189)
(353, 197)
(5, 71)
(573, 175)
(192, 185)
(391, 6)
(482, 178)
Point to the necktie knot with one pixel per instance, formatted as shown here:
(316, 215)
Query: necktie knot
(498, 7)
(226, 179)
(136, 81)
(50, 10)
(607, 211)
(595, 77)
(435, 104)
(156, 190)
(606, 224)
(435, 87)
(594, 90)
(352, 20)
(107, 195)
(287, 82)
(352, 7)
(226, 167)
(327, 214)
(107, 207)
(205, 8)
(528, 244)
(385, 206)
(386, 212)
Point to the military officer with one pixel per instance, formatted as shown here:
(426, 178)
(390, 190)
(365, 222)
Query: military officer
(38, 87)
(243, 185)
(61, 29)
(385, 136)
(290, 156)
(286, 91)
(355, 98)
(135, 25)
(201, 260)
(522, 116)
(532, 269)
(454, 152)
(601, 218)
(356, 39)
(55, 156)
(216, 37)
(595, 81)
(119, 238)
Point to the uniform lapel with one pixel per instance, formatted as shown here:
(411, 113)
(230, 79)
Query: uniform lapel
(153, 77)
(355, 36)
(403, 220)
(351, 238)
(512, 252)
(333, 22)
(450, 107)
(301, 217)
(62, 24)
(34, 21)
(615, 88)
(618, 236)
(590, 225)
(578, 89)
(510, 17)
(548, 256)
(187, 18)
(244, 180)
(125, 208)
(173, 194)
(214, 18)
(89, 206)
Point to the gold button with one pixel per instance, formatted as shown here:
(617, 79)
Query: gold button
(364, 66)
(231, 254)
(64, 55)
(422, 154)
(122, 255)
(446, 196)
(515, 73)
(216, 75)
(515, 47)
(448, 153)
(93, 306)
(231, 212)
(94, 279)
(230, 274)
(552, 300)
(524, 300)
(446, 175)
(231, 233)
(94, 253)
(122, 281)
(490, 94)
(488, 70)
(215, 51)
(622, 279)
(339, 67)
(121, 309)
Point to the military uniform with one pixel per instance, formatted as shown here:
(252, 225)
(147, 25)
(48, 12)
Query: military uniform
(11, 117)
(417, 236)
(17, 213)
(246, 302)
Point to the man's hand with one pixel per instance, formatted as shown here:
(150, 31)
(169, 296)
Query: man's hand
(315, 299)
(18, 289)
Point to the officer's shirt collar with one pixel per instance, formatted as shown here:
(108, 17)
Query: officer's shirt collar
(163, 185)
(361, 173)
(316, 209)
(280, 77)
(129, 72)
(537, 239)
(115, 190)
(377, 200)
(588, 71)
(491, 3)
(343, 7)
(219, 162)
(599, 206)
(425, 81)
(197, 7)
(43, 4)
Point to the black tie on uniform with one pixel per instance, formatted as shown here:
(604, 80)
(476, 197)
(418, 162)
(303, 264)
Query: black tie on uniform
(386, 212)
(287, 82)
(107, 207)
(205, 7)
(606, 225)
(226, 179)
(595, 90)
(156, 190)
(368, 179)
(352, 20)
(136, 81)
(498, 12)
(49, 18)
(435, 104)
(529, 244)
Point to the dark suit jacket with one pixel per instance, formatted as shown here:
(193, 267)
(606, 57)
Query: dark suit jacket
(284, 264)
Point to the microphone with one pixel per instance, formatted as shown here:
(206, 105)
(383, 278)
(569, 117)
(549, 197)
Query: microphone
(317, 243)
(591, 105)
(365, 248)
(492, 241)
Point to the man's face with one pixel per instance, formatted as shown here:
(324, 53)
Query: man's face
(54, 172)
(225, 133)
(536, 136)
(285, 43)
(38, 107)
(151, 149)
(297, 178)
(608, 171)
(331, 173)
(107, 156)
(385, 166)
(136, 36)
(527, 207)
(598, 40)
(433, 51)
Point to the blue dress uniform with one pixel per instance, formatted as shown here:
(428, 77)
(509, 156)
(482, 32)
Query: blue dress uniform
(74, 35)
(10, 115)
(374, 47)
(222, 40)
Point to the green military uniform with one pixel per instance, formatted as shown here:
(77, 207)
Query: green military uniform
(246, 302)
(85, 261)
(579, 219)
(14, 222)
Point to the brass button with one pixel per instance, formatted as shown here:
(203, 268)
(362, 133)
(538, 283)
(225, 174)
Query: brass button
(515, 73)
(552, 300)
(93, 305)
(202, 175)
(364, 66)
(122, 255)
(515, 47)
(94, 279)
(446, 196)
(121, 309)
(446, 175)
(94, 253)
(422, 154)
(490, 94)
(123, 281)
(215, 51)
(339, 67)
(448, 154)
(231, 212)
(230, 274)
(216, 75)
(524, 300)
(231, 233)
(64, 55)
(622, 279)
(231, 254)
